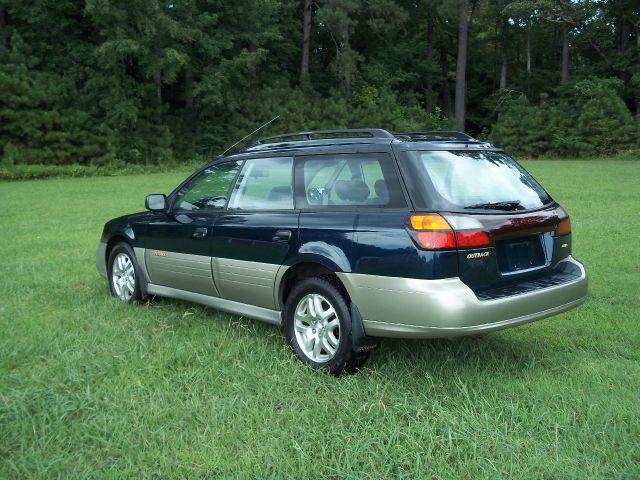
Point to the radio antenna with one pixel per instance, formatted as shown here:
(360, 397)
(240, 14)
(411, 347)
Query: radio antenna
(247, 136)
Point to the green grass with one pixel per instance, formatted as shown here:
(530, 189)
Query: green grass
(90, 387)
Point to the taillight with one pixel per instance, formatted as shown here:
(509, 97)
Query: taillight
(433, 232)
(564, 227)
(436, 240)
(472, 239)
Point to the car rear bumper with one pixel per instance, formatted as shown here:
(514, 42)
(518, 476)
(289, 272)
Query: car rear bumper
(101, 259)
(413, 308)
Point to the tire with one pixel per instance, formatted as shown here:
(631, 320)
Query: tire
(123, 274)
(317, 323)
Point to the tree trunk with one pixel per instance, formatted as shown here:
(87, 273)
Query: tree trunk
(503, 68)
(430, 63)
(529, 57)
(461, 68)
(504, 54)
(306, 40)
(565, 54)
(528, 49)
(188, 88)
(446, 91)
(158, 84)
(638, 93)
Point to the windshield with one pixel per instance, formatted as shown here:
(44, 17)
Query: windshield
(470, 180)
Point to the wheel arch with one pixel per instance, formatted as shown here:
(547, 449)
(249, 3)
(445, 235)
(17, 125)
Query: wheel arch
(305, 268)
(362, 343)
(127, 236)
(114, 240)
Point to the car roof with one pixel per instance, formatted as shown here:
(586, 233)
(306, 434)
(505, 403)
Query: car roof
(360, 139)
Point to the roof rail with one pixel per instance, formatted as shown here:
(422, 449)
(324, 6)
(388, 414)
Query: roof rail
(320, 134)
(437, 135)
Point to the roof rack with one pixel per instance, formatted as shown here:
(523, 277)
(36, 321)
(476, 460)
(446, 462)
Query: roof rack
(437, 135)
(320, 134)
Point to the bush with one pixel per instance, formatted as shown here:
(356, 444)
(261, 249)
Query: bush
(586, 119)
(41, 171)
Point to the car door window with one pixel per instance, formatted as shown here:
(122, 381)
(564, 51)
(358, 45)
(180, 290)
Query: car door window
(264, 184)
(208, 190)
(344, 180)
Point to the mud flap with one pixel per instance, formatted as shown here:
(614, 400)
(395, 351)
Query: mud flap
(361, 341)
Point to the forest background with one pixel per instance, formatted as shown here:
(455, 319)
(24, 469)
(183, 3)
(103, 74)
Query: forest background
(97, 83)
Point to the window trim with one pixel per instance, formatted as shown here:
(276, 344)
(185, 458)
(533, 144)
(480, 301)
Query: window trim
(383, 156)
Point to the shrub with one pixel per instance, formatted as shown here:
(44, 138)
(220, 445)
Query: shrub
(586, 119)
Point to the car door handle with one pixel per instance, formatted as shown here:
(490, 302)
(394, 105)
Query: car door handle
(282, 236)
(200, 233)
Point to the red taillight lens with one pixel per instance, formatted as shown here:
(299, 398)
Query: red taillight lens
(472, 239)
(564, 227)
(433, 232)
(436, 240)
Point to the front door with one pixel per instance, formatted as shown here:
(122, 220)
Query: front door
(178, 241)
(255, 234)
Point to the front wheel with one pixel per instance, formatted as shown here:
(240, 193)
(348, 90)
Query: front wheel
(123, 279)
(318, 327)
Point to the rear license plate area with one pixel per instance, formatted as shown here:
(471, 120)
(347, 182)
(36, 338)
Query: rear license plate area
(518, 254)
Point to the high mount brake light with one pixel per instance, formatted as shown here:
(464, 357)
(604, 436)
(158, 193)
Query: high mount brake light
(433, 232)
(564, 227)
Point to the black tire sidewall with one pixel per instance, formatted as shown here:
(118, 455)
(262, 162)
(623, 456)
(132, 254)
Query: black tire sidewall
(123, 248)
(327, 289)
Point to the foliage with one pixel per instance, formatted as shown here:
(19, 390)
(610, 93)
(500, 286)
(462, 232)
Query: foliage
(585, 118)
(91, 82)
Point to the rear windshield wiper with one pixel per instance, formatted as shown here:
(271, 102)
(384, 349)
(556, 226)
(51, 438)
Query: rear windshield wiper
(506, 205)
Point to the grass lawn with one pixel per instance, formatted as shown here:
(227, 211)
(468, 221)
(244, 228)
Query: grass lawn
(90, 387)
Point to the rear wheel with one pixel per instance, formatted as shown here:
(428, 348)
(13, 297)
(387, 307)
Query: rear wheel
(123, 279)
(318, 327)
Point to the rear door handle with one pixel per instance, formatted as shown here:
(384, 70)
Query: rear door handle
(282, 236)
(199, 233)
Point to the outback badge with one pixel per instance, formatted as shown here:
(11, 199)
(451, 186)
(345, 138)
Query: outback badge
(478, 255)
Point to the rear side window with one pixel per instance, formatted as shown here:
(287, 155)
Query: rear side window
(361, 180)
(470, 180)
(264, 184)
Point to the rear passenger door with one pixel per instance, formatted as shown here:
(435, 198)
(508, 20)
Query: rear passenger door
(252, 238)
(352, 208)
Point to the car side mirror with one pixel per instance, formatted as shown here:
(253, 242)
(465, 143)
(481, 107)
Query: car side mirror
(156, 202)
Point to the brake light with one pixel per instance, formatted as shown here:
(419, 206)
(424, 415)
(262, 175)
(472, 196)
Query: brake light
(436, 240)
(564, 227)
(472, 239)
(433, 232)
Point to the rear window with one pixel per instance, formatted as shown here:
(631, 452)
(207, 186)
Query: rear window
(472, 180)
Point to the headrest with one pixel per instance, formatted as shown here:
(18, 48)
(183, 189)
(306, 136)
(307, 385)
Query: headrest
(352, 190)
(382, 191)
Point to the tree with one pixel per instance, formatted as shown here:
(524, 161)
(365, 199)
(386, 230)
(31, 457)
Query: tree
(306, 39)
(461, 65)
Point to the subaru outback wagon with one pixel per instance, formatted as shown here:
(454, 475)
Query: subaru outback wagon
(346, 236)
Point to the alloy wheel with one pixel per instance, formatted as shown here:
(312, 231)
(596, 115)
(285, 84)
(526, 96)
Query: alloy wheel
(317, 327)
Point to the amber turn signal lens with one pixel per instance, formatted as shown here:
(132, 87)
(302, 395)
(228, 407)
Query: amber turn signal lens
(564, 227)
(429, 222)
